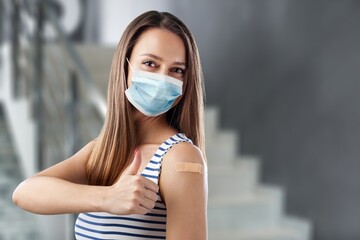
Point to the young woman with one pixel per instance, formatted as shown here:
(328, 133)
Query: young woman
(145, 176)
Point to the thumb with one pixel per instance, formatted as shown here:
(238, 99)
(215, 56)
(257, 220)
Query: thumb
(135, 165)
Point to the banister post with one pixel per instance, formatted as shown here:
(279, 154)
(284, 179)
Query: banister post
(15, 46)
(73, 136)
(38, 106)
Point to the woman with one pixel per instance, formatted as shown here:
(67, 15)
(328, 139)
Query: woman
(155, 106)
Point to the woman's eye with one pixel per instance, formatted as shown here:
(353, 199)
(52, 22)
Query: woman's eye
(150, 64)
(179, 71)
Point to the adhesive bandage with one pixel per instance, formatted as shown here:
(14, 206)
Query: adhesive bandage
(189, 167)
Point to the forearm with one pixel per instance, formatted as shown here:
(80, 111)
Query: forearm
(49, 195)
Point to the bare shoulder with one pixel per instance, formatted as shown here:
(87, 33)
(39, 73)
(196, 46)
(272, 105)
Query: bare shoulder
(84, 153)
(184, 152)
(183, 170)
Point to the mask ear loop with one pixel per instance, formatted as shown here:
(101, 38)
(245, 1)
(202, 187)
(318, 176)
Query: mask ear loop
(130, 65)
(127, 59)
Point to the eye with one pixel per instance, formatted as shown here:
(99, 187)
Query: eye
(149, 63)
(178, 71)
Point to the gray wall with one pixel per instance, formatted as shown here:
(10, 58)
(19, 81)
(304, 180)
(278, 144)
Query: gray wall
(286, 75)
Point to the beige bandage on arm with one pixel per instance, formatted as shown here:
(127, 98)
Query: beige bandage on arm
(189, 167)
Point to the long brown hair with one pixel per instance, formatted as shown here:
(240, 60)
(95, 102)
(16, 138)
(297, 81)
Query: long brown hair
(115, 145)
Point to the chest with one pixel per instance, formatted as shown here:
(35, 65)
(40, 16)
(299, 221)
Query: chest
(147, 152)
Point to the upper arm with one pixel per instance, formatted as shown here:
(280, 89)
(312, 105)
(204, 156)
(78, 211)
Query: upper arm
(73, 168)
(185, 194)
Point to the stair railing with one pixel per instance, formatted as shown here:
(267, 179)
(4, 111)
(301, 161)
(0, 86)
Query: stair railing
(52, 76)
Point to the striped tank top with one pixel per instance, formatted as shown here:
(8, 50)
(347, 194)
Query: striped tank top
(102, 225)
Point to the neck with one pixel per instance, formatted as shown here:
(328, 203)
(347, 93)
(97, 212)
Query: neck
(152, 130)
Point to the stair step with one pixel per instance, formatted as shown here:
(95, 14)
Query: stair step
(274, 233)
(289, 228)
(222, 138)
(211, 120)
(234, 179)
(302, 226)
(262, 208)
(222, 148)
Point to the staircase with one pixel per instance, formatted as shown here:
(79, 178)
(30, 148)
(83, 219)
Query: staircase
(15, 224)
(240, 208)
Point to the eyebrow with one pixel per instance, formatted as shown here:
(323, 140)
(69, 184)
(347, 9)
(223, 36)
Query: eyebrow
(160, 59)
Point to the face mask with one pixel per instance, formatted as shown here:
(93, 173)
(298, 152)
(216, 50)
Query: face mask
(153, 93)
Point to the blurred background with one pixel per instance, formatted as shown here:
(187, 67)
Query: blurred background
(282, 117)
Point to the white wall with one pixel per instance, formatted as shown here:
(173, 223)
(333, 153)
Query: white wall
(115, 15)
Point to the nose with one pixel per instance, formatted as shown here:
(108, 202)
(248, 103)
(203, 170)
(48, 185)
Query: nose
(163, 70)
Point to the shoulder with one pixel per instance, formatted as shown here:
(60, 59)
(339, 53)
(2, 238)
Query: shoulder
(87, 149)
(184, 170)
(184, 152)
(82, 156)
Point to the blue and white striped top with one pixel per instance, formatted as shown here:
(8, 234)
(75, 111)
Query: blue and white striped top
(102, 225)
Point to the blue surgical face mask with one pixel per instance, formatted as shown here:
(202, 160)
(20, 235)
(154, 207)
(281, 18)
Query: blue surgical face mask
(153, 93)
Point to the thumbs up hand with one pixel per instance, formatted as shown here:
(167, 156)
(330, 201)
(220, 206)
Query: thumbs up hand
(132, 193)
